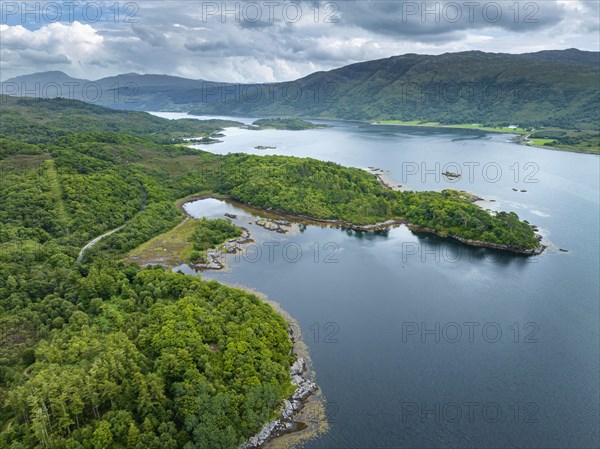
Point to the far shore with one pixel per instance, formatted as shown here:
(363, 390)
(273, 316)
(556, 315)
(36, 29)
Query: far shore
(521, 135)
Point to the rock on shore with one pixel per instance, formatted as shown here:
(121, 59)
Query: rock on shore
(291, 406)
(215, 256)
(274, 225)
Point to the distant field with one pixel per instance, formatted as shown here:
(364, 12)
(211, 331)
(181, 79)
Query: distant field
(501, 129)
(540, 142)
(586, 141)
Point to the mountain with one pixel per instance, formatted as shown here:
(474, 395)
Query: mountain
(542, 89)
(131, 91)
(44, 77)
(558, 88)
(571, 56)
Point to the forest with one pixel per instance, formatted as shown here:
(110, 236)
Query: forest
(102, 354)
(292, 124)
(210, 234)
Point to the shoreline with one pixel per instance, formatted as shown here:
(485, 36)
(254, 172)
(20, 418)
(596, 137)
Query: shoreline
(301, 416)
(457, 126)
(385, 180)
(290, 420)
(372, 227)
(520, 138)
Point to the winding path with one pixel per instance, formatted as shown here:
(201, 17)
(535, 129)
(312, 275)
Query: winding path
(96, 240)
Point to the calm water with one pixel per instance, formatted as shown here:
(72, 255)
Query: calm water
(422, 343)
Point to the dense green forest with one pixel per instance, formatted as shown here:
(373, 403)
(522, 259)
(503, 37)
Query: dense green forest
(292, 124)
(209, 234)
(101, 354)
(328, 191)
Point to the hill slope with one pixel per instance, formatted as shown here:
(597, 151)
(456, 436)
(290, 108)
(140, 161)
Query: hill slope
(556, 88)
(541, 89)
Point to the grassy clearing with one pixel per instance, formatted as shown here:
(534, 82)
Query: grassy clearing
(169, 249)
(540, 142)
(399, 122)
(62, 218)
(497, 129)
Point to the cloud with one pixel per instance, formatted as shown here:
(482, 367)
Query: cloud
(35, 57)
(76, 38)
(205, 46)
(418, 20)
(52, 45)
(274, 43)
(149, 34)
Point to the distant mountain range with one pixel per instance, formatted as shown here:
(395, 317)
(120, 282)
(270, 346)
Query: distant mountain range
(559, 88)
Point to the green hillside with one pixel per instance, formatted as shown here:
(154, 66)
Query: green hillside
(470, 87)
(559, 89)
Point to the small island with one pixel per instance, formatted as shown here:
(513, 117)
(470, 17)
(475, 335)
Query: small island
(264, 147)
(290, 124)
(202, 140)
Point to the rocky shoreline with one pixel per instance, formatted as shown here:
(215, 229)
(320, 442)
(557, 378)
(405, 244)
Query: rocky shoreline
(384, 179)
(215, 256)
(286, 422)
(401, 221)
(274, 225)
(476, 243)
(387, 224)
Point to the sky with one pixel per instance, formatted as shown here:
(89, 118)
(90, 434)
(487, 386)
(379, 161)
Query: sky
(266, 41)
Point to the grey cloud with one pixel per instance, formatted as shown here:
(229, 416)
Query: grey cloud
(205, 46)
(43, 57)
(258, 25)
(149, 34)
(267, 50)
(417, 19)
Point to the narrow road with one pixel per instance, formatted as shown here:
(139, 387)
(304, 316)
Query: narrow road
(96, 240)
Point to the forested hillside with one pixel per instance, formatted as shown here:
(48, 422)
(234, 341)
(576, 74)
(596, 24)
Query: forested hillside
(557, 89)
(104, 355)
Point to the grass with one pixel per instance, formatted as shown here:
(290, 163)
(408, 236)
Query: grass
(579, 141)
(540, 142)
(172, 248)
(399, 122)
(498, 129)
(590, 142)
(56, 189)
(179, 164)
